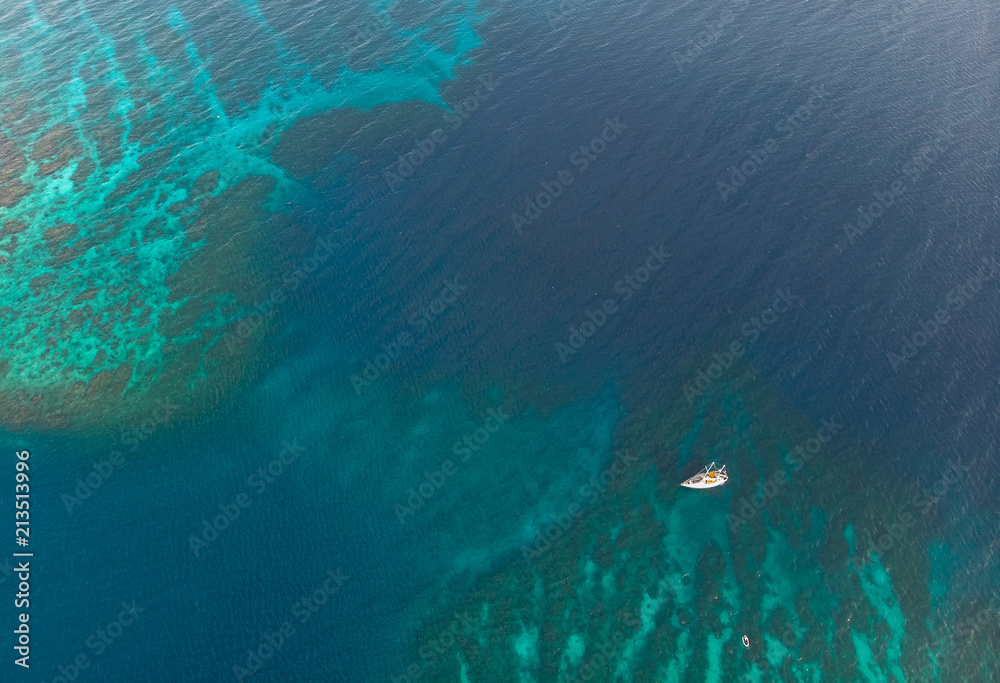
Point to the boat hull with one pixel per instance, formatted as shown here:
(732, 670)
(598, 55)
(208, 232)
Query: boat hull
(708, 478)
(703, 484)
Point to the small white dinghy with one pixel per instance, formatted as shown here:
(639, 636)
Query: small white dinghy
(708, 478)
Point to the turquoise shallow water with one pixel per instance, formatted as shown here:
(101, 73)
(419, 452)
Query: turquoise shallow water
(132, 161)
(370, 342)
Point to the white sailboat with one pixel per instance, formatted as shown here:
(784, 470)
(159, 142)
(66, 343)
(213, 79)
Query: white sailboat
(708, 478)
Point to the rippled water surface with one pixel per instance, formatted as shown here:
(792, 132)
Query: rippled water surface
(370, 341)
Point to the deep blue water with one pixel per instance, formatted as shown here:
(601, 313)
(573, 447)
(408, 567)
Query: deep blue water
(896, 75)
